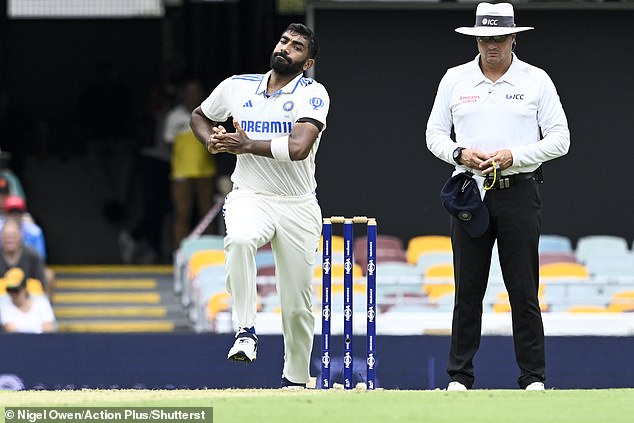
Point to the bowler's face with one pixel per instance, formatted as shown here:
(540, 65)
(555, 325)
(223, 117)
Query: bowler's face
(493, 52)
(290, 55)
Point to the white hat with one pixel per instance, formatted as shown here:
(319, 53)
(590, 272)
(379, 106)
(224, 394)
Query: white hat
(492, 20)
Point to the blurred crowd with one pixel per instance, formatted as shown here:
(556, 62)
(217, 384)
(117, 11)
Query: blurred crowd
(153, 181)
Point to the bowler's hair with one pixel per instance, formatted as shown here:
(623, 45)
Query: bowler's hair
(307, 33)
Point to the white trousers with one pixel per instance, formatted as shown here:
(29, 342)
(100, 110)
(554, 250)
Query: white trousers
(293, 226)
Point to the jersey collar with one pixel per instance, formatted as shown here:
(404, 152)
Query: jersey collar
(512, 75)
(287, 89)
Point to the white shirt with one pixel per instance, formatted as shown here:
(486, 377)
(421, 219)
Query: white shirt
(31, 321)
(266, 117)
(176, 122)
(506, 114)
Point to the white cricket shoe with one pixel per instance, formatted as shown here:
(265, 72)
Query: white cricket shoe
(456, 386)
(245, 347)
(535, 386)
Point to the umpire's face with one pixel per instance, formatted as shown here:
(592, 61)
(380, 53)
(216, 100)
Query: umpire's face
(495, 50)
(290, 56)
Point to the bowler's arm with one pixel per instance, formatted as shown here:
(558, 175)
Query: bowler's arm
(203, 128)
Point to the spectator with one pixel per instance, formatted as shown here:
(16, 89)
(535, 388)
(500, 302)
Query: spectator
(193, 168)
(24, 313)
(9, 182)
(16, 254)
(32, 234)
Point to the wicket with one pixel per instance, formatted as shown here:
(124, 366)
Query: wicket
(348, 280)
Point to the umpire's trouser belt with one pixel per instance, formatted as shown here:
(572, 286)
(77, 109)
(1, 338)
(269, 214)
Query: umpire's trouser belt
(508, 181)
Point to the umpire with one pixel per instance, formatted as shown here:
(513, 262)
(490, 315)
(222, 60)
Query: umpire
(508, 120)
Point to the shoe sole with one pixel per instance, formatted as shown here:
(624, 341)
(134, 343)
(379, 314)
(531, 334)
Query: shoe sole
(241, 356)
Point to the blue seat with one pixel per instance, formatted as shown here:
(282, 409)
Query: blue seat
(600, 244)
(552, 243)
(431, 258)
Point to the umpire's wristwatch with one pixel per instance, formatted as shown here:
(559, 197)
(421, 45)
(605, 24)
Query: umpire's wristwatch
(456, 154)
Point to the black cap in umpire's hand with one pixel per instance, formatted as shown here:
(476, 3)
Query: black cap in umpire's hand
(461, 197)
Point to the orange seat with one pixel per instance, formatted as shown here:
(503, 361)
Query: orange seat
(426, 243)
(439, 281)
(587, 309)
(203, 258)
(435, 291)
(440, 270)
(503, 305)
(563, 270)
(217, 303)
(336, 244)
(622, 301)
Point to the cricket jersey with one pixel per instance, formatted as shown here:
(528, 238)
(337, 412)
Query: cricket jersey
(264, 117)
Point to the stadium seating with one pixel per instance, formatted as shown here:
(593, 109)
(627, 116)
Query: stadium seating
(217, 303)
(187, 247)
(503, 305)
(209, 280)
(336, 244)
(587, 309)
(197, 261)
(593, 244)
(569, 271)
(610, 265)
(264, 258)
(551, 243)
(427, 259)
(388, 249)
(439, 281)
(557, 257)
(622, 301)
(426, 243)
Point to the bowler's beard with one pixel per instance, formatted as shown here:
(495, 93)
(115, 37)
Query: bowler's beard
(285, 67)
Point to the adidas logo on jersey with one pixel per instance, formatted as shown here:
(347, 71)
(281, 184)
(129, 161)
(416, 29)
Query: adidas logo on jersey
(248, 104)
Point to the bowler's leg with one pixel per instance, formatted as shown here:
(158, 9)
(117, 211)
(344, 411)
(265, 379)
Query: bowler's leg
(295, 246)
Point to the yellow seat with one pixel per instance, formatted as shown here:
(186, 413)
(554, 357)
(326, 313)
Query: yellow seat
(440, 270)
(426, 243)
(436, 291)
(217, 303)
(622, 301)
(587, 309)
(336, 244)
(564, 271)
(439, 281)
(503, 305)
(203, 258)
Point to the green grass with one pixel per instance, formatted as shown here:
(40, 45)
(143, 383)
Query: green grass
(276, 406)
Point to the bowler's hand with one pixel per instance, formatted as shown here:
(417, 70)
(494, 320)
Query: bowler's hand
(235, 143)
(503, 160)
(212, 142)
